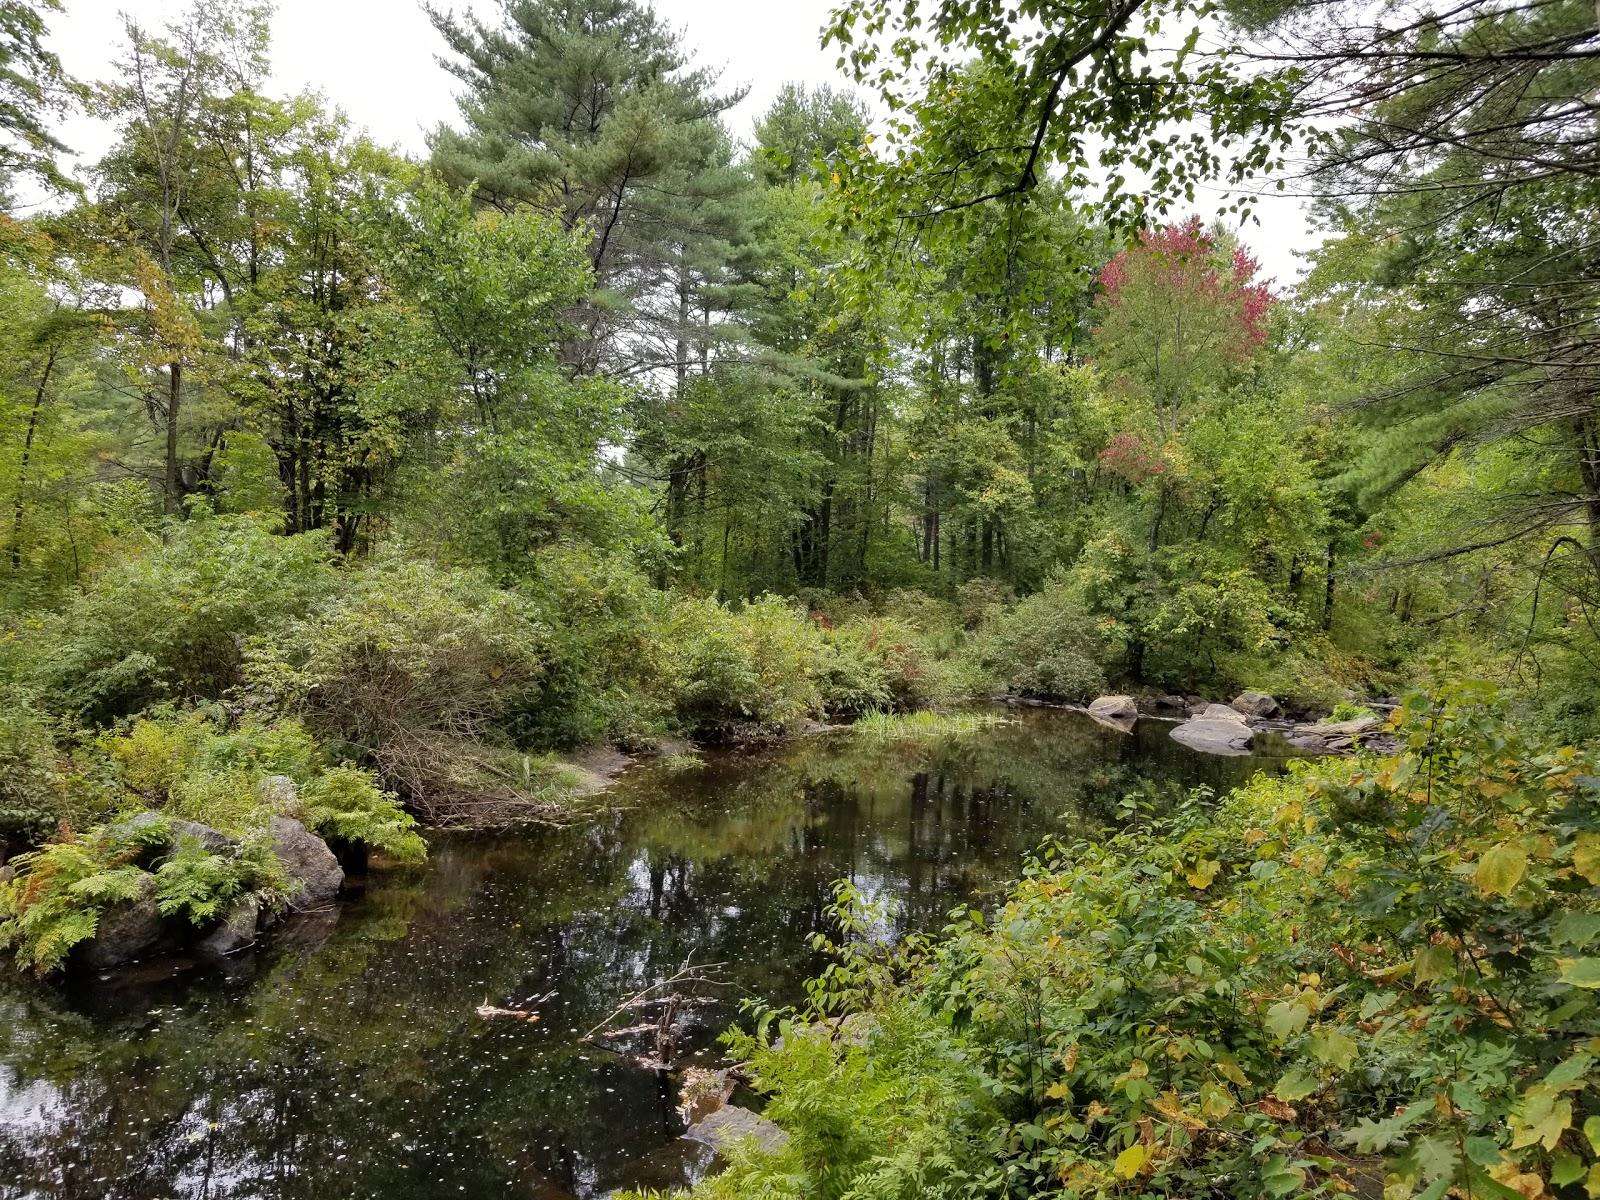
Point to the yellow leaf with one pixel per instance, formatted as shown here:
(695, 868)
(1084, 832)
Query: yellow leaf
(1541, 1116)
(1130, 1161)
(1501, 869)
(1586, 856)
(1432, 962)
(1203, 873)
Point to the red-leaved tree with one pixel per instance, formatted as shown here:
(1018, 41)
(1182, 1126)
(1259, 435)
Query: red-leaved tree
(1179, 311)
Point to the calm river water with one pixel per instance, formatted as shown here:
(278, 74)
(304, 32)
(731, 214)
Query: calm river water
(345, 1059)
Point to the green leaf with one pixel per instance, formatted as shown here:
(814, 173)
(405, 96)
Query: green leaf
(1540, 1117)
(1580, 972)
(1432, 962)
(1286, 1018)
(1570, 1072)
(1334, 1048)
(1296, 1084)
(1576, 929)
(1436, 1157)
(1566, 1168)
(1501, 869)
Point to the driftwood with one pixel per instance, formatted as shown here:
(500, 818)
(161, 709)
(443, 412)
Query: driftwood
(493, 1012)
(672, 1003)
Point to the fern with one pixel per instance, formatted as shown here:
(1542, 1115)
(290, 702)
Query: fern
(346, 803)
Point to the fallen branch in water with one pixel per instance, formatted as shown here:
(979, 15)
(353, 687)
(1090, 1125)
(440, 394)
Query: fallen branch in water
(671, 1002)
(493, 1012)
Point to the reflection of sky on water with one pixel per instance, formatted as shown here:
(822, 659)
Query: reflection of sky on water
(345, 1060)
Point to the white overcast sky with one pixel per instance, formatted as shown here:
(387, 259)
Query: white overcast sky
(375, 59)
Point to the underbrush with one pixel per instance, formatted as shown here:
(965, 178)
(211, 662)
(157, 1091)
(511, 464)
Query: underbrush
(184, 803)
(1373, 973)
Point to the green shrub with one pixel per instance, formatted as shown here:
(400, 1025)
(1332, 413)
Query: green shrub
(1368, 967)
(607, 671)
(1048, 644)
(33, 797)
(191, 765)
(194, 883)
(759, 665)
(405, 669)
(979, 599)
(1348, 710)
(887, 663)
(167, 620)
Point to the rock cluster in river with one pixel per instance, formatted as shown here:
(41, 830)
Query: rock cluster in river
(1230, 729)
(135, 929)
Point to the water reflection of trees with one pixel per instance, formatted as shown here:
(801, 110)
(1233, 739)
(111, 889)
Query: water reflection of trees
(354, 1065)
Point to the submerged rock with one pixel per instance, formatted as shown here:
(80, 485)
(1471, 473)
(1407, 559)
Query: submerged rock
(730, 1125)
(127, 930)
(1215, 735)
(237, 930)
(313, 870)
(1255, 704)
(1335, 729)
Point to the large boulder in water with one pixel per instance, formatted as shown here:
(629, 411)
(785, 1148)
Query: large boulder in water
(1114, 708)
(1215, 735)
(1221, 712)
(1255, 704)
(127, 930)
(1115, 712)
(314, 873)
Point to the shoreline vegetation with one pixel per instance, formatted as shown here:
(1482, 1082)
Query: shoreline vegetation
(1246, 996)
(348, 493)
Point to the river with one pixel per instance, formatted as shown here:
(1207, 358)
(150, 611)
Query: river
(345, 1059)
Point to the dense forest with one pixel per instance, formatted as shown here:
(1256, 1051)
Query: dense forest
(610, 423)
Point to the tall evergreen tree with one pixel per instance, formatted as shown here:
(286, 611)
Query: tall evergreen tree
(590, 109)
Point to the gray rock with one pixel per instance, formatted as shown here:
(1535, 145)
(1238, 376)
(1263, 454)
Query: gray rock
(213, 841)
(278, 793)
(127, 930)
(7, 874)
(1215, 735)
(1255, 704)
(1332, 729)
(1170, 703)
(1114, 708)
(237, 931)
(729, 1126)
(314, 873)
(1222, 712)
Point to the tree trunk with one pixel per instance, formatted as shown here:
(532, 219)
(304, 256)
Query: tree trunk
(174, 401)
(27, 456)
(1327, 588)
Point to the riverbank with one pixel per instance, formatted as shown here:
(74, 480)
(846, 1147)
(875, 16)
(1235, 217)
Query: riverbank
(359, 1023)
